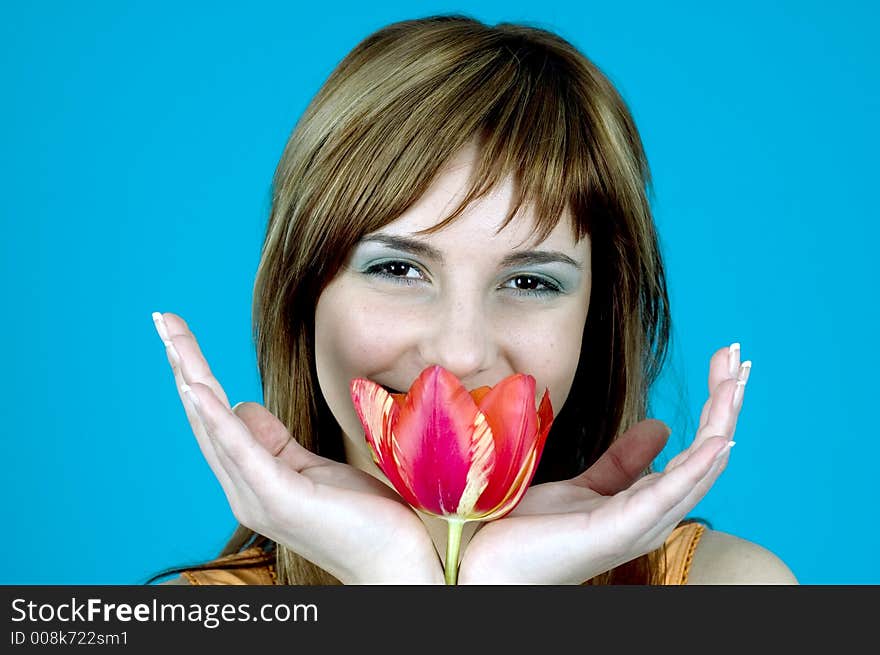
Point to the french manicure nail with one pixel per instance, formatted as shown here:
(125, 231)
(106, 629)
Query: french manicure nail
(725, 449)
(194, 399)
(733, 359)
(161, 328)
(738, 395)
(744, 370)
(172, 353)
(185, 388)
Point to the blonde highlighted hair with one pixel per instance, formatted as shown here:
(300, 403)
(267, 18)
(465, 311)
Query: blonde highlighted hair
(395, 109)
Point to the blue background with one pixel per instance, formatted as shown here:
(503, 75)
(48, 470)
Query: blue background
(137, 146)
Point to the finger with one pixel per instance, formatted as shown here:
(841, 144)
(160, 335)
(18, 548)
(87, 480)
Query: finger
(261, 482)
(195, 422)
(177, 364)
(723, 365)
(245, 459)
(704, 414)
(720, 421)
(626, 459)
(274, 437)
(659, 493)
(681, 510)
(721, 411)
(719, 464)
(196, 425)
(193, 363)
(722, 414)
(246, 505)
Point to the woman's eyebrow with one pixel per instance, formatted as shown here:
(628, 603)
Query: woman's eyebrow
(513, 259)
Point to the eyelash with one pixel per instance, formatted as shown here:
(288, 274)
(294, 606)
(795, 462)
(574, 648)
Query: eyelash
(378, 270)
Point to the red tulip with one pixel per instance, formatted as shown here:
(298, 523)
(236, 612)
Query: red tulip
(462, 456)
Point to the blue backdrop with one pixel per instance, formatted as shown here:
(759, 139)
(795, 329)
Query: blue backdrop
(138, 144)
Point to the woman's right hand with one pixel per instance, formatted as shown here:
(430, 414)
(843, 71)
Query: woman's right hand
(343, 520)
(569, 531)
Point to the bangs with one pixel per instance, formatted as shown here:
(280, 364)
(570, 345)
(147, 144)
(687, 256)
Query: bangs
(430, 95)
(526, 128)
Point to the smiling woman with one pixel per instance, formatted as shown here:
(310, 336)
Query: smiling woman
(472, 197)
(465, 298)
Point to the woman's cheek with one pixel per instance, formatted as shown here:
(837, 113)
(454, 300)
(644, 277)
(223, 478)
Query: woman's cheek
(551, 355)
(373, 332)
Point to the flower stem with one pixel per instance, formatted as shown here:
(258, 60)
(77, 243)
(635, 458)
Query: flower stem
(453, 544)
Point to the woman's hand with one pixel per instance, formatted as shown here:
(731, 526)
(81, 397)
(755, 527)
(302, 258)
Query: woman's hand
(343, 520)
(567, 532)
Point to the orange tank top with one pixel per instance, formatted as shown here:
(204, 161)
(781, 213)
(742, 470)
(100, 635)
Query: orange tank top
(257, 567)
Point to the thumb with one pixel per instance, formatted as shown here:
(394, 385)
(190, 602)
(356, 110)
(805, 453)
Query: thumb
(626, 458)
(272, 435)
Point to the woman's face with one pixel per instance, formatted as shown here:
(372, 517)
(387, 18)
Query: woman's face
(482, 306)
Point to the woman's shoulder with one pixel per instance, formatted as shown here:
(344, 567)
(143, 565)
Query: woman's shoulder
(176, 580)
(721, 558)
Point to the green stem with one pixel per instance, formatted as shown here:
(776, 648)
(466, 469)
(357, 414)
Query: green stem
(453, 545)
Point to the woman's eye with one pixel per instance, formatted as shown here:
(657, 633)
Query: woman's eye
(394, 271)
(405, 273)
(532, 285)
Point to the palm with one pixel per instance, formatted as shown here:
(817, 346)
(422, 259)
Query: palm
(563, 497)
(563, 517)
(365, 498)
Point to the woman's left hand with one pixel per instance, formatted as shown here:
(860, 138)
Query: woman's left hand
(570, 531)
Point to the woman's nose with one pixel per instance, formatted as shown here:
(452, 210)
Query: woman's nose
(460, 340)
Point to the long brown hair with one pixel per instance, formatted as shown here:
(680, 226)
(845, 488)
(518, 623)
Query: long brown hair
(368, 146)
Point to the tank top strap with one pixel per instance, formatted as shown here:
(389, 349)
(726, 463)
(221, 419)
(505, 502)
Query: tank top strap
(680, 548)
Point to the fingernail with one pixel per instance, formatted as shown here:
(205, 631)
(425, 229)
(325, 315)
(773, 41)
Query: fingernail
(738, 395)
(744, 370)
(724, 450)
(161, 328)
(194, 399)
(733, 359)
(172, 353)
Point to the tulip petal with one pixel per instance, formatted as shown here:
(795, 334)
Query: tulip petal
(444, 442)
(378, 413)
(510, 409)
(482, 466)
(526, 473)
(545, 417)
(516, 491)
(479, 393)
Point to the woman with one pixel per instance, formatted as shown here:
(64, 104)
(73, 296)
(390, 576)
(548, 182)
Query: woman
(474, 197)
